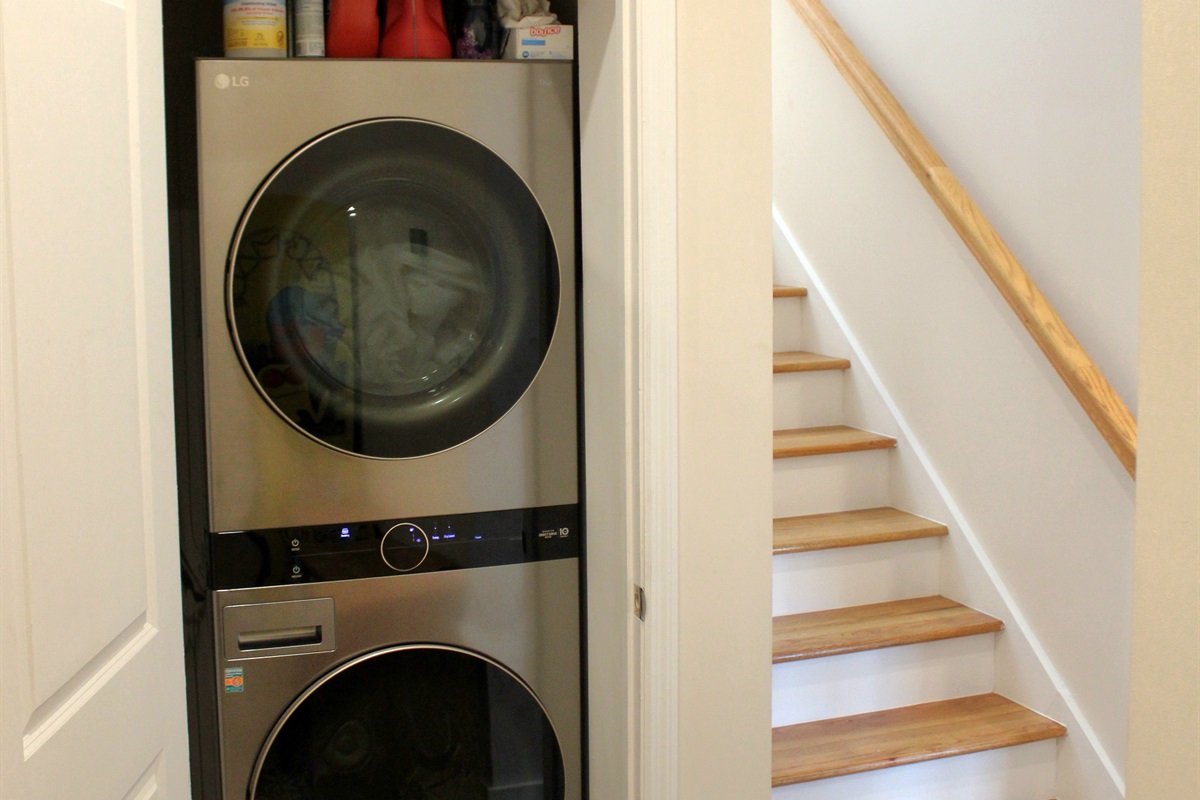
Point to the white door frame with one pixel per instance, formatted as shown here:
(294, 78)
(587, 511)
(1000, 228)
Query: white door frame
(630, 374)
(658, 432)
(632, 94)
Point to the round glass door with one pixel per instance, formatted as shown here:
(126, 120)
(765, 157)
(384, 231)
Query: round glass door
(393, 288)
(413, 723)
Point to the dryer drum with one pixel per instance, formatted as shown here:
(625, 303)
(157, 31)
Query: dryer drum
(414, 722)
(392, 288)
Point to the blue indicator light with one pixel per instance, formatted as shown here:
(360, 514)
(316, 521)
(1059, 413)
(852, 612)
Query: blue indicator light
(449, 536)
(477, 536)
(436, 538)
(345, 533)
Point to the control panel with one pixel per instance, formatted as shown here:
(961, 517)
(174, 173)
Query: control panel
(404, 547)
(345, 551)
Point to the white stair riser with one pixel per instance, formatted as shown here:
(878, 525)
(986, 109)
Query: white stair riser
(856, 683)
(835, 482)
(854, 576)
(789, 321)
(1024, 772)
(808, 399)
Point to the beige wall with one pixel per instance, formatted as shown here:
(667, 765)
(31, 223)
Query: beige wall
(724, 280)
(1164, 754)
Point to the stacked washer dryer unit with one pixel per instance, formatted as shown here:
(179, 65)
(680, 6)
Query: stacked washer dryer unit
(388, 252)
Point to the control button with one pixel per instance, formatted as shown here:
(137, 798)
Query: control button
(404, 547)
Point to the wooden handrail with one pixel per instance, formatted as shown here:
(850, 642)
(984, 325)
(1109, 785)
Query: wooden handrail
(1081, 375)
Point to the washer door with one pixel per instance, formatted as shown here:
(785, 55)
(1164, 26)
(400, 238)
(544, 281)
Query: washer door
(392, 288)
(420, 722)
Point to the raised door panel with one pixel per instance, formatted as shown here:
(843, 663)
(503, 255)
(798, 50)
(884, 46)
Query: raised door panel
(91, 651)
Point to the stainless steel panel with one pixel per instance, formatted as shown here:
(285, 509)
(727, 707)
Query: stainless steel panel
(525, 617)
(252, 114)
(254, 630)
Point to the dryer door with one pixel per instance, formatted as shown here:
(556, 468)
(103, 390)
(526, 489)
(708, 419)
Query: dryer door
(420, 721)
(392, 288)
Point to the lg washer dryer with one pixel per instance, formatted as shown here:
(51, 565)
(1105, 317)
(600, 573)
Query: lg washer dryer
(457, 681)
(388, 303)
(388, 288)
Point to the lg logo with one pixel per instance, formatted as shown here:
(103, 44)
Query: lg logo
(224, 81)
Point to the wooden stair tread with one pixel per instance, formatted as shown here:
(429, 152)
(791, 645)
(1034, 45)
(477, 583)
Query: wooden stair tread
(802, 361)
(850, 529)
(789, 291)
(827, 439)
(870, 627)
(827, 748)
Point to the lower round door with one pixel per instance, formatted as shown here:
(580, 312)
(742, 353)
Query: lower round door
(414, 722)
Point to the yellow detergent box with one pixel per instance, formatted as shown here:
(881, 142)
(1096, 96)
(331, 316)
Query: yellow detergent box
(551, 41)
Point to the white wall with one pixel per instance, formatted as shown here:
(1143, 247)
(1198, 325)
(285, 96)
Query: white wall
(1048, 504)
(1035, 105)
(1164, 757)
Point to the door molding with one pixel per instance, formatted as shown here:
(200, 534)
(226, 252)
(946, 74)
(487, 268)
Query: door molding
(657, 315)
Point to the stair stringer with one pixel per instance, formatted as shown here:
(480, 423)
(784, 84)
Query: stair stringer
(1022, 669)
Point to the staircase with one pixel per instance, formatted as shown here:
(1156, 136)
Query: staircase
(877, 679)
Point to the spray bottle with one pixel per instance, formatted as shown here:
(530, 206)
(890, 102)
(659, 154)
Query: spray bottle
(415, 29)
(353, 29)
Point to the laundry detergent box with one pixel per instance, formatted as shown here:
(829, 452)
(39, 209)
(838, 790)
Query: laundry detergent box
(552, 41)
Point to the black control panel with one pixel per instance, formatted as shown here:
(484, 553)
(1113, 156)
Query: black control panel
(346, 551)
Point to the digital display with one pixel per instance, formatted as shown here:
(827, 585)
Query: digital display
(440, 532)
(346, 550)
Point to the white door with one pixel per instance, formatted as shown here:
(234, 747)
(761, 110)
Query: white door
(91, 655)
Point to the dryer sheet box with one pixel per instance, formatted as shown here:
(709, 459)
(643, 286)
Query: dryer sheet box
(553, 42)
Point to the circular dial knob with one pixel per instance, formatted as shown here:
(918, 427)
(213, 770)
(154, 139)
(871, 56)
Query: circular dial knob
(404, 547)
